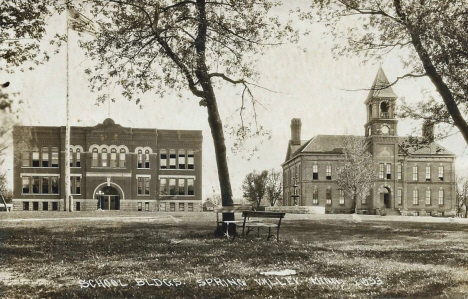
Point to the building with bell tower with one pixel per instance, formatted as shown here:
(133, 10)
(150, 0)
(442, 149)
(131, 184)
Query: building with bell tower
(417, 181)
(380, 105)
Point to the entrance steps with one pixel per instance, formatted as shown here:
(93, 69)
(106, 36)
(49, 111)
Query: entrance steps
(392, 212)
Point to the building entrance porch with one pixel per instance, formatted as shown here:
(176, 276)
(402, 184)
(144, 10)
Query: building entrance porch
(108, 198)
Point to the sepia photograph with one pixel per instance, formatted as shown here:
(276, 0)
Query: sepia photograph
(234, 149)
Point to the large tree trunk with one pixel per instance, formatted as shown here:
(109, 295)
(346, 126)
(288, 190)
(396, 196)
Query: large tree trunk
(214, 118)
(353, 207)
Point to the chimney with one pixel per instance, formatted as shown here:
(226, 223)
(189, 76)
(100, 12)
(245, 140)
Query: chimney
(296, 131)
(428, 130)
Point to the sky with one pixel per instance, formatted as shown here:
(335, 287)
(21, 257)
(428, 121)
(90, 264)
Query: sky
(327, 94)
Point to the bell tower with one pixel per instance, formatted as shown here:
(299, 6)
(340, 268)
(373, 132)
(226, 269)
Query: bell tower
(380, 105)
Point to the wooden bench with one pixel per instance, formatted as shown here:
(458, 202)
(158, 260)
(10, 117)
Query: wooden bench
(252, 221)
(230, 209)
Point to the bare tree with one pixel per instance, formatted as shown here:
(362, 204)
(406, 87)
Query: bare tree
(356, 173)
(430, 37)
(255, 187)
(274, 187)
(462, 196)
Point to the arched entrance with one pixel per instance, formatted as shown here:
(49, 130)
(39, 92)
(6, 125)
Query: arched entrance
(108, 198)
(385, 197)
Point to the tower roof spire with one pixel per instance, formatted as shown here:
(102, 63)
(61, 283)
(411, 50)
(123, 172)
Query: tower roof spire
(380, 88)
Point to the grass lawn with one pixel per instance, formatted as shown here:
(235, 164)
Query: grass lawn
(166, 256)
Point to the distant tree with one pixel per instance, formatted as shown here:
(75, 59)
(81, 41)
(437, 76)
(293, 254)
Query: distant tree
(274, 187)
(215, 199)
(431, 40)
(155, 45)
(255, 187)
(356, 173)
(462, 196)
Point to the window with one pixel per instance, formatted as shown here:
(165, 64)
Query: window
(181, 159)
(77, 185)
(122, 158)
(45, 157)
(181, 186)
(441, 197)
(441, 173)
(181, 206)
(163, 155)
(329, 172)
(342, 202)
(389, 171)
(140, 186)
(329, 196)
(113, 158)
(35, 184)
(400, 167)
(77, 158)
(315, 172)
(190, 159)
(190, 207)
(147, 186)
(25, 185)
(55, 157)
(147, 159)
(163, 187)
(428, 173)
(95, 158)
(415, 173)
(172, 159)
(35, 206)
(381, 171)
(399, 197)
(190, 187)
(415, 197)
(140, 159)
(71, 158)
(140, 207)
(147, 206)
(104, 157)
(54, 185)
(315, 196)
(428, 196)
(25, 159)
(25, 206)
(143, 186)
(35, 157)
(45, 206)
(55, 206)
(364, 201)
(172, 206)
(172, 186)
(78, 206)
(45, 185)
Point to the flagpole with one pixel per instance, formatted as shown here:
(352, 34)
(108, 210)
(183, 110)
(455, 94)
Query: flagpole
(68, 204)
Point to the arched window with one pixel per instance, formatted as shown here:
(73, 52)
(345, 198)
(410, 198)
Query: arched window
(71, 157)
(113, 158)
(122, 158)
(384, 110)
(147, 159)
(78, 158)
(140, 159)
(104, 157)
(95, 158)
